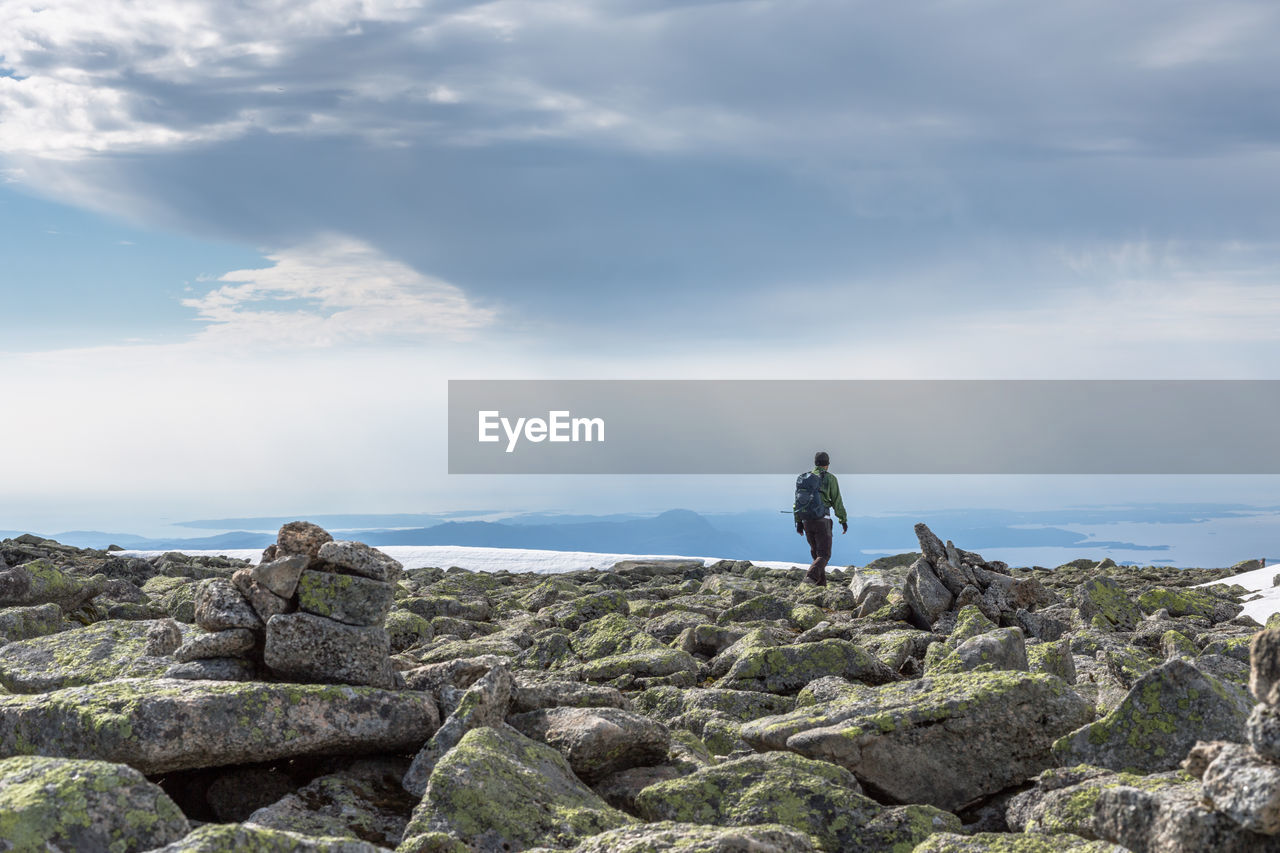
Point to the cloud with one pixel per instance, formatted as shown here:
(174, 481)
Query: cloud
(334, 291)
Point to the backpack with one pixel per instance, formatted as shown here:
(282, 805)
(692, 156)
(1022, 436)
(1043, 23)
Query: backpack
(809, 505)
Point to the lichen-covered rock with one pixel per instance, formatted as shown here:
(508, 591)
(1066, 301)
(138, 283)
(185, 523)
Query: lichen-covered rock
(645, 663)
(248, 838)
(577, 612)
(943, 740)
(350, 599)
(312, 648)
(159, 725)
(25, 623)
(1053, 658)
(1104, 603)
(41, 582)
(366, 806)
(896, 648)
(1245, 788)
(760, 608)
(231, 643)
(1174, 643)
(1001, 649)
(219, 606)
(1064, 800)
(694, 838)
(484, 703)
(596, 742)
(664, 703)
(405, 629)
(499, 791)
(1161, 718)
(1171, 819)
(565, 694)
(99, 652)
(998, 842)
(611, 634)
(815, 797)
(49, 804)
(357, 558)
(903, 827)
(1188, 602)
(786, 669)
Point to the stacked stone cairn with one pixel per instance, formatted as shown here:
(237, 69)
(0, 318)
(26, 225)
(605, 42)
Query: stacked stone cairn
(312, 610)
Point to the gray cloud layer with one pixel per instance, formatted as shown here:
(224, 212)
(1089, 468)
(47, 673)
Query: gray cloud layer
(638, 165)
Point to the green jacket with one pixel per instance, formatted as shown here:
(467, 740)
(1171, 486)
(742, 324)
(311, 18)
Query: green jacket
(830, 492)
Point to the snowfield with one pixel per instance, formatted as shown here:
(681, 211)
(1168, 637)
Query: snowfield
(1258, 580)
(491, 559)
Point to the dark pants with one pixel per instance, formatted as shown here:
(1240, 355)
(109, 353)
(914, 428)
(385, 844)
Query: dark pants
(818, 531)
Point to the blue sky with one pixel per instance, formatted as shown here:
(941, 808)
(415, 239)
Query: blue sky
(244, 245)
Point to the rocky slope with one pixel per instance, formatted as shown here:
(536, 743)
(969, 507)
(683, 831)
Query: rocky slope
(326, 699)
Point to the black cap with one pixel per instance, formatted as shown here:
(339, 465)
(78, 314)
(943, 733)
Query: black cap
(821, 458)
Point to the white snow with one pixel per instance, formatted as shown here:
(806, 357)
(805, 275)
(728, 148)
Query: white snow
(1258, 580)
(490, 559)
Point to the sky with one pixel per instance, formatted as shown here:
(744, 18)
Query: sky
(244, 245)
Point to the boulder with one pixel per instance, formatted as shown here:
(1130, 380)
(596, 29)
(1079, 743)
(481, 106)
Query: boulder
(220, 606)
(264, 602)
(234, 642)
(1064, 800)
(41, 582)
(1002, 649)
(1157, 723)
(1245, 788)
(279, 576)
(694, 838)
(159, 725)
(370, 806)
(214, 669)
(485, 703)
(350, 599)
(999, 842)
(73, 804)
(944, 741)
(164, 637)
(227, 837)
(786, 669)
(24, 623)
(312, 648)
(1264, 657)
(565, 694)
(597, 742)
(646, 663)
(1171, 819)
(357, 558)
(1104, 603)
(301, 537)
(499, 791)
(100, 652)
(814, 797)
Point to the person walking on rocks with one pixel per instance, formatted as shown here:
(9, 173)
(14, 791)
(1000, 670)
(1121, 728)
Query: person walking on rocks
(817, 493)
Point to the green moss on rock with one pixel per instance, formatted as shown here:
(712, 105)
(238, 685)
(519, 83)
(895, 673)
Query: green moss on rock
(498, 790)
(68, 804)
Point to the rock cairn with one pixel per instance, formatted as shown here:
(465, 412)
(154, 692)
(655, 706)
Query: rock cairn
(314, 609)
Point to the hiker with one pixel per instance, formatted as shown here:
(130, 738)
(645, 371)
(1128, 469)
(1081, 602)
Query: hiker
(817, 492)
